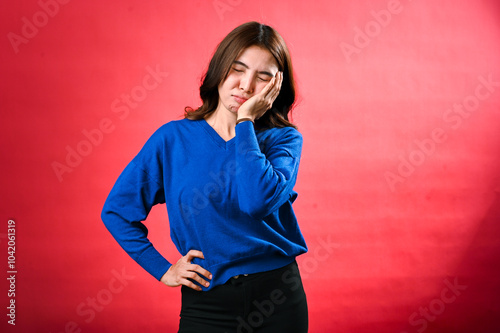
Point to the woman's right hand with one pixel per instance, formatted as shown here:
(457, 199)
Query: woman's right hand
(180, 272)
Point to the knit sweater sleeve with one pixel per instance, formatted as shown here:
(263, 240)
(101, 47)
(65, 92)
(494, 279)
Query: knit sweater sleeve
(266, 177)
(137, 190)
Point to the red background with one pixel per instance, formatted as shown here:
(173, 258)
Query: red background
(399, 194)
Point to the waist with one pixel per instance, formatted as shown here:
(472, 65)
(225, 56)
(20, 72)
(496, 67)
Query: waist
(272, 274)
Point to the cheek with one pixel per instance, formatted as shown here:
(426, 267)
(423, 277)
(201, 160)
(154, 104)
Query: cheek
(230, 82)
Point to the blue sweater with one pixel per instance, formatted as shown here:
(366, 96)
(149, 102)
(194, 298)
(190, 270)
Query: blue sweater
(231, 200)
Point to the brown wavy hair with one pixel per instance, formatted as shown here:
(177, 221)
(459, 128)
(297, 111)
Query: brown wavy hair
(242, 37)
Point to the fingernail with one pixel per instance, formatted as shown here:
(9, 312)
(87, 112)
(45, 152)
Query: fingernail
(207, 284)
(210, 276)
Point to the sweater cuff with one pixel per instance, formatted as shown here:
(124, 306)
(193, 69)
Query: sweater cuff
(246, 122)
(245, 132)
(154, 263)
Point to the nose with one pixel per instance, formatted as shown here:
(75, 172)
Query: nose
(247, 84)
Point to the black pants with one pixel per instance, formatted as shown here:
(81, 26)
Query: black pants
(271, 301)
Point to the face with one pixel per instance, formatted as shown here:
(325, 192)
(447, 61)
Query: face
(249, 74)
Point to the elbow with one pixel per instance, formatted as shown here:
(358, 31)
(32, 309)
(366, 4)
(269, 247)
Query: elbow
(108, 217)
(105, 217)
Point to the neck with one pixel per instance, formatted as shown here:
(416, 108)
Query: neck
(223, 122)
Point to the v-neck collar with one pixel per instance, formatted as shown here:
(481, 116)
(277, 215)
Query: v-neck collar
(218, 140)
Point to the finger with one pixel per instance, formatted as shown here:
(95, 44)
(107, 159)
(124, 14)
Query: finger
(187, 283)
(277, 88)
(199, 274)
(274, 95)
(268, 88)
(280, 80)
(274, 92)
(202, 271)
(192, 276)
(194, 254)
(277, 83)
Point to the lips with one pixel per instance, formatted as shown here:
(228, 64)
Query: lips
(240, 99)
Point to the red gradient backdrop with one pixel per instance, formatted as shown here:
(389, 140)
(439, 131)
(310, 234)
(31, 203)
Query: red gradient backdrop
(399, 186)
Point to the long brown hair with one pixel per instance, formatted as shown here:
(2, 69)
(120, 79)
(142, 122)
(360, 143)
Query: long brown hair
(242, 37)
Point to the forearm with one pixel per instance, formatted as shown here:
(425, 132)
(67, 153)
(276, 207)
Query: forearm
(264, 182)
(132, 237)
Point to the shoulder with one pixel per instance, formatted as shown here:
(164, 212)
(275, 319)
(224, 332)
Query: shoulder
(175, 127)
(168, 133)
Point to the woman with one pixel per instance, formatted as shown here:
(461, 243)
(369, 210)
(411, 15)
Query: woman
(226, 173)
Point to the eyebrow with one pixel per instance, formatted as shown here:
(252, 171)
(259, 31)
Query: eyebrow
(246, 66)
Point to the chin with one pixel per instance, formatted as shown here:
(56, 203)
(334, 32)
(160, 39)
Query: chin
(234, 109)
